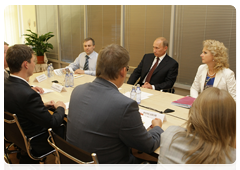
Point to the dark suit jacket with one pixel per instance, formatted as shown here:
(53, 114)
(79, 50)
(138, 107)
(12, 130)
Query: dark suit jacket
(104, 121)
(163, 77)
(27, 104)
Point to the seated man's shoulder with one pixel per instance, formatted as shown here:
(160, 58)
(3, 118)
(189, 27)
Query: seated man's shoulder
(171, 59)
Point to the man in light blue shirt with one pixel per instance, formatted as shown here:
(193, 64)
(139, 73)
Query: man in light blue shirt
(85, 63)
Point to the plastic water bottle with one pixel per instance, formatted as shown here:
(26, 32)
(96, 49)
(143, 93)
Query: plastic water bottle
(67, 79)
(138, 96)
(71, 80)
(133, 93)
(49, 71)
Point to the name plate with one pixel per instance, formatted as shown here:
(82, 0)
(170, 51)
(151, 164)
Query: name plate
(57, 87)
(40, 78)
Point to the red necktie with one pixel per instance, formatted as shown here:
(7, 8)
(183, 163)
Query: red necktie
(151, 71)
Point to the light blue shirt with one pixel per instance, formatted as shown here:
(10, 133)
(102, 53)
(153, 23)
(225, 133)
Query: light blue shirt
(80, 61)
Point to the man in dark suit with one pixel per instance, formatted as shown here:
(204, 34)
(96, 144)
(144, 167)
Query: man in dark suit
(104, 121)
(22, 100)
(157, 70)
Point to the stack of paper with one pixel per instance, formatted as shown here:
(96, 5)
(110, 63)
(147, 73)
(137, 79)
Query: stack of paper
(148, 116)
(185, 102)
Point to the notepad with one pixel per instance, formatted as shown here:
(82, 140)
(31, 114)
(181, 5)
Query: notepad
(185, 102)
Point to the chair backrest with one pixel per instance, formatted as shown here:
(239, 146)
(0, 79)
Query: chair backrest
(68, 153)
(12, 132)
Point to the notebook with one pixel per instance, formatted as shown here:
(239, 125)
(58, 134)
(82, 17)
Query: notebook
(185, 102)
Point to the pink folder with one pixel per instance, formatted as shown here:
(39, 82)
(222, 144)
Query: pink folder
(185, 102)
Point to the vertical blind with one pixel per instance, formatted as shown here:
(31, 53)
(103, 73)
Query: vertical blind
(72, 31)
(193, 25)
(104, 24)
(143, 24)
(47, 22)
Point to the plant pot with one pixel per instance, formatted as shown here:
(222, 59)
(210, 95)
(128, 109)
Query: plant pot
(40, 59)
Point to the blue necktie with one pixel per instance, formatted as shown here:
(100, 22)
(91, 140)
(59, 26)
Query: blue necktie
(86, 63)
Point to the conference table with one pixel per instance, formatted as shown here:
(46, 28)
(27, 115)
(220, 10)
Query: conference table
(158, 101)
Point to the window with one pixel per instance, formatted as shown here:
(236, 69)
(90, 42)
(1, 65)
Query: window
(143, 24)
(72, 31)
(193, 25)
(104, 24)
(11, 25)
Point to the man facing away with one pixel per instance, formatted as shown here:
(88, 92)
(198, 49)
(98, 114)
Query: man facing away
(157, 70)
(22, 100)
(85, 63)
(104, 121)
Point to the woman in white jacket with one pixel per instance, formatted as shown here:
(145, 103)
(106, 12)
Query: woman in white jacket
(214, 72)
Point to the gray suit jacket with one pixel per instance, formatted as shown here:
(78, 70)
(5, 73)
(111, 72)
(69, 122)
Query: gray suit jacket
(104, 121)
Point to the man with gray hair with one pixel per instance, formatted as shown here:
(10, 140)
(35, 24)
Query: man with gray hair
(104, 121)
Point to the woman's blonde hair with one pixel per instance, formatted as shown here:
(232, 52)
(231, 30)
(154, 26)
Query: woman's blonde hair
(219, 52)
(212, 121)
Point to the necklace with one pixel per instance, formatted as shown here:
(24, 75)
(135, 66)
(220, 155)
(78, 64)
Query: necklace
(210, 74)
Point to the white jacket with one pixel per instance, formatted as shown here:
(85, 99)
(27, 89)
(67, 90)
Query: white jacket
(224, 79)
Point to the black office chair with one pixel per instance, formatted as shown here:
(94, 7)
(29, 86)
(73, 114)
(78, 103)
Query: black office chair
(69, 154)
(13, 132)
(7, 150)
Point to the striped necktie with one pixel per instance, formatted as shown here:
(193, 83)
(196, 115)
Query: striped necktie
(86, 63)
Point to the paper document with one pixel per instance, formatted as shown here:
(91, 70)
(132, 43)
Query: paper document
(59, 72)
(144, 95)
(47, 91)
(153, 115)
(147, 122)
(77, 76)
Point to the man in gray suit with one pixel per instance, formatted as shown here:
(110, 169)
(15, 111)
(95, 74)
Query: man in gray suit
(104, 121)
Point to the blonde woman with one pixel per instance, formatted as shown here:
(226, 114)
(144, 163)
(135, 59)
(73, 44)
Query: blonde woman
(214, 72)
(210, 134)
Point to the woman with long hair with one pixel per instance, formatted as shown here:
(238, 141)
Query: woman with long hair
(210, 134)
(214, 72)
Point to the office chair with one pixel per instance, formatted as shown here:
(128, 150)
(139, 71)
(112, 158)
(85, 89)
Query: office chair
(13, 132)
(69, 154)
(7, 151)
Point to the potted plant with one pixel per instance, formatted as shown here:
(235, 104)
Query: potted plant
(39, 44)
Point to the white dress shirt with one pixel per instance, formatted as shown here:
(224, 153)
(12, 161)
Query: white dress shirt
(19, 78)
(80, 61)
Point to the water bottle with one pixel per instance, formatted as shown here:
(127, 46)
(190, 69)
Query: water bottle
(71, 78)
(138, 96)
(67, 79)
(133, 93)
(49, 71)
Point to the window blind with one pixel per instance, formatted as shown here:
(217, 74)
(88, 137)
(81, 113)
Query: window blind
(193, 25)
(143, 24)
(104, 24)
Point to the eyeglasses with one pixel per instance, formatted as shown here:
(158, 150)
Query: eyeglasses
(127, 68)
